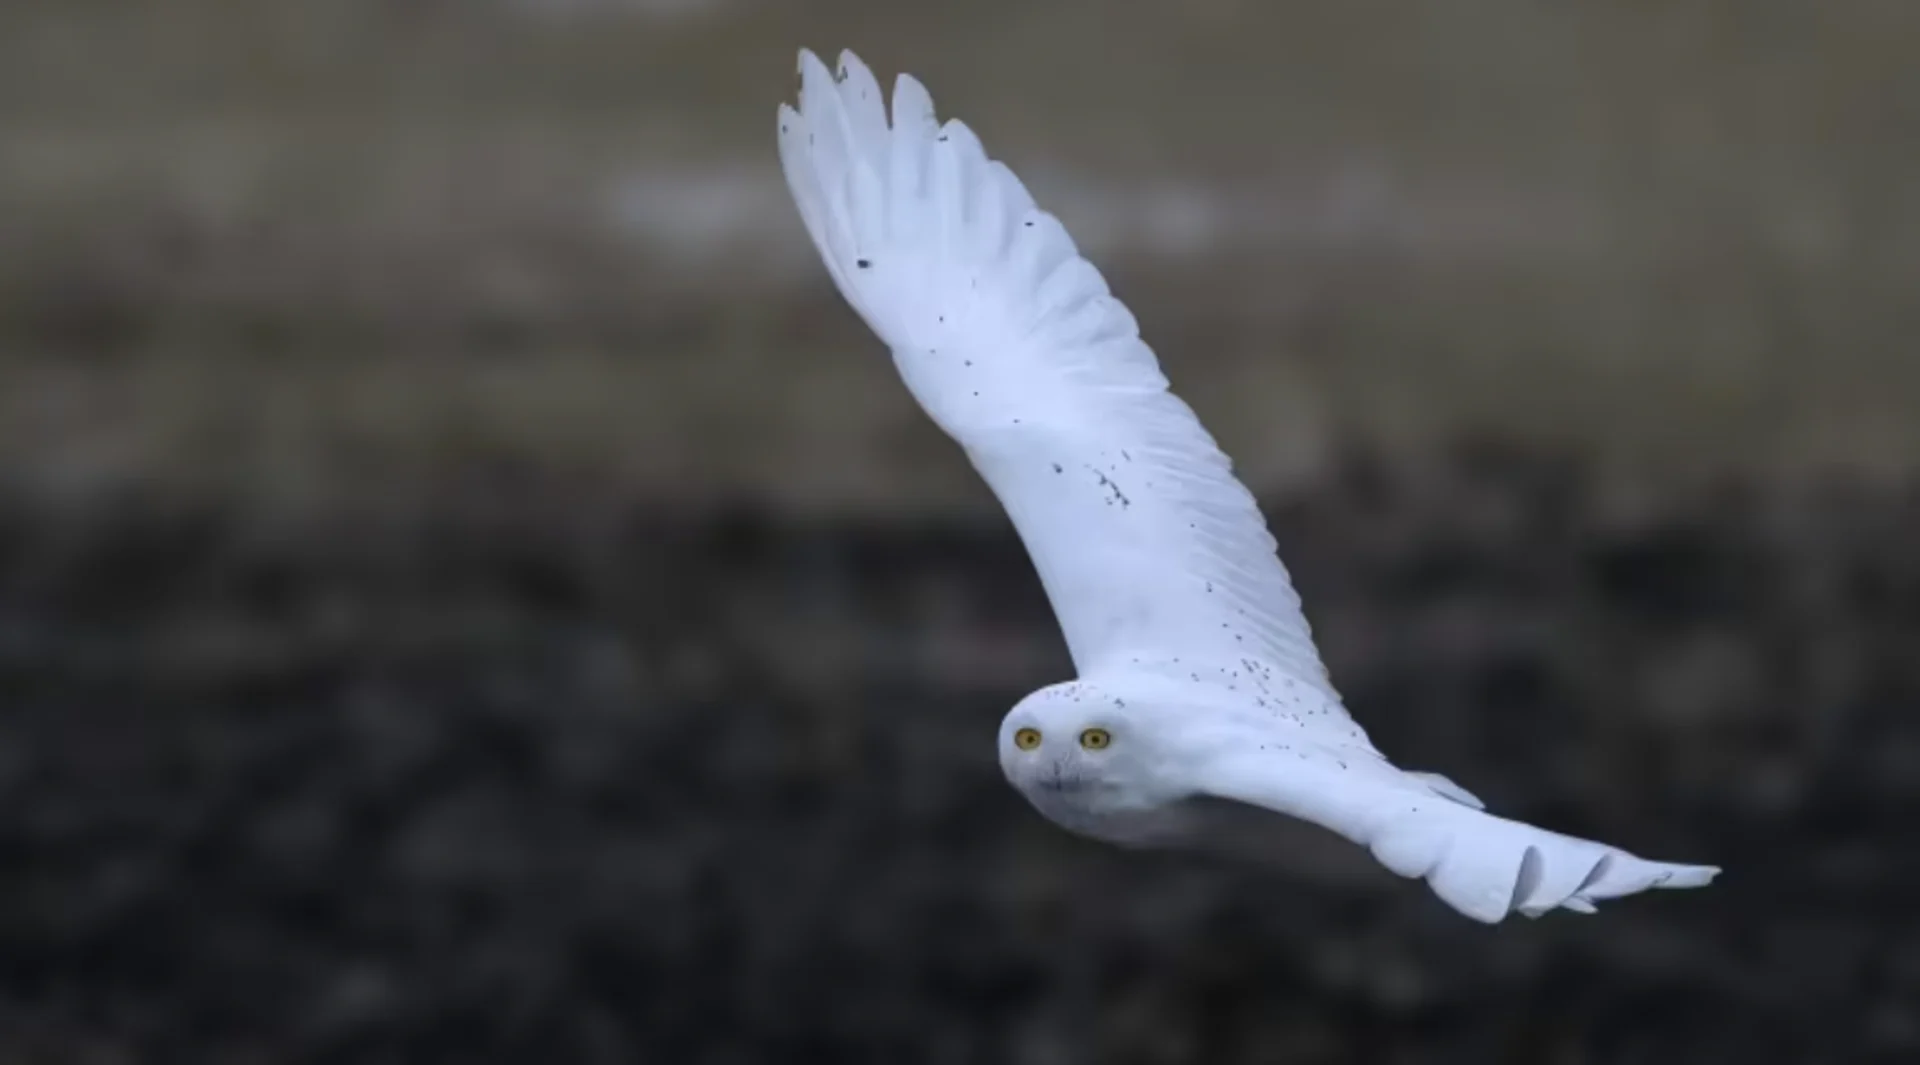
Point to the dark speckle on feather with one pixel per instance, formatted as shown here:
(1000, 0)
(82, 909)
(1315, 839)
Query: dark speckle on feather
(1117, 495)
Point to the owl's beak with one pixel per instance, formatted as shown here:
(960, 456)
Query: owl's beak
(1059, 779)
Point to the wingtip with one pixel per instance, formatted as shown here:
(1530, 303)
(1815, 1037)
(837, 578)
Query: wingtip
(911, 84)
(1670, 876)
(1692, 876)
(912, 107)
(811, 66)
(847, 63)
(800, 58)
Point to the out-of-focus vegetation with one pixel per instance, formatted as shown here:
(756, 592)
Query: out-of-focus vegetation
(293, 248)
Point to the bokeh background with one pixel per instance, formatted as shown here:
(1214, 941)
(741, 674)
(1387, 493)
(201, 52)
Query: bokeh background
(470, 592)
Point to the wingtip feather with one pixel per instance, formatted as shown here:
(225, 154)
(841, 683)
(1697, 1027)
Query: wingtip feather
(1690, 876)
(864, 107)
(912, 103)
(1488, 867)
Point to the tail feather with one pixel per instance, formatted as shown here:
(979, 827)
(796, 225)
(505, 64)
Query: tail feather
(1488, 867)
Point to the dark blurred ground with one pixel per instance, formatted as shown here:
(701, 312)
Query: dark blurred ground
(469, 591)
(579, 782)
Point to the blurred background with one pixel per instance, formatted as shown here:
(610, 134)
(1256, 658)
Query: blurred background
(470, 591)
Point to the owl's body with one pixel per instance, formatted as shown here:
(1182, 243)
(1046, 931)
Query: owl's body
(1103, 812)
(1200, 684)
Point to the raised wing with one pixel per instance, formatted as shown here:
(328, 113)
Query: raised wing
(1153, 555)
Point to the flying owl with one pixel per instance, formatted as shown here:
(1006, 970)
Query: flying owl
(1198, 682)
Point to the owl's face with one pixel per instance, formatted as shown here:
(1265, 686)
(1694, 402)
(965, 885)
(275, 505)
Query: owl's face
(1073, 744)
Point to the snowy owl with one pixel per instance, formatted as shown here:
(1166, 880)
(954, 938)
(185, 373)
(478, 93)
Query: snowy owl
(1198, 680)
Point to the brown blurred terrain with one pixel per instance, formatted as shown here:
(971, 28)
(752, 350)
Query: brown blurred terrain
(469, 591)
(282, 247)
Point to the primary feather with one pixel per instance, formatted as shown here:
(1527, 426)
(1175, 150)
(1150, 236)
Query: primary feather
(1156, 560)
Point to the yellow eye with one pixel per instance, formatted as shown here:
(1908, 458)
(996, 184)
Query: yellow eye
(1027, 739)
(1095, 739)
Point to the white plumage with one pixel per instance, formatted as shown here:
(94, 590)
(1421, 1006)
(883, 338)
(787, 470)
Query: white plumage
(1198, 677)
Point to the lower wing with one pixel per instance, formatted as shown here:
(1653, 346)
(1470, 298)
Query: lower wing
(1481, 864)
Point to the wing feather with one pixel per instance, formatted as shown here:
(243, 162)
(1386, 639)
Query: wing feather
(1153, 555)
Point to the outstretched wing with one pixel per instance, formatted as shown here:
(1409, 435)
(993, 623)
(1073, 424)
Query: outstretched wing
(1483, 865)
(1153, 555)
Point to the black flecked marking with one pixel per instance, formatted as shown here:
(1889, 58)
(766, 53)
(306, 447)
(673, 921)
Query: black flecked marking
(1117, 495)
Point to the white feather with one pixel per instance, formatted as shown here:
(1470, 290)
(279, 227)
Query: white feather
(1157, 561)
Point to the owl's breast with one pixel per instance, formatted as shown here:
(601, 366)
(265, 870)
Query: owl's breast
(1093, 811)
